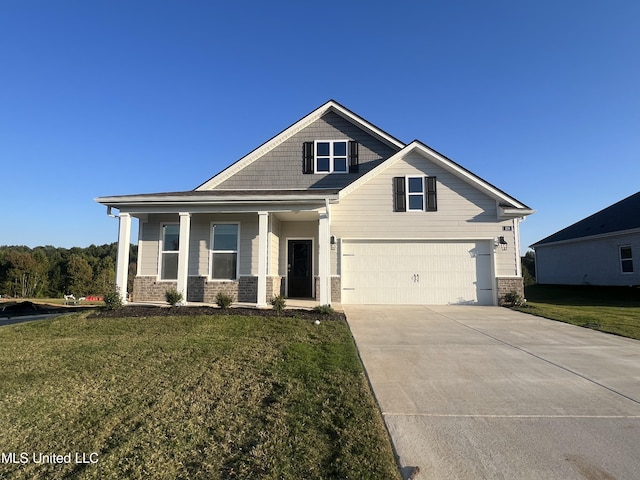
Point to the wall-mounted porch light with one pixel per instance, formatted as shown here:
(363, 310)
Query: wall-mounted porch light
(332, 240)
(501, 242)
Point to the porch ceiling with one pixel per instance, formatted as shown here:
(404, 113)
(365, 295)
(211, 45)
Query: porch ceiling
(297, 216)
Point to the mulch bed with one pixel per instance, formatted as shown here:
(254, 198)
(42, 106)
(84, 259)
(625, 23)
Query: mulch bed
(157, 311)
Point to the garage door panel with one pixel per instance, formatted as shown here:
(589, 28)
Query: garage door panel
(396, 272)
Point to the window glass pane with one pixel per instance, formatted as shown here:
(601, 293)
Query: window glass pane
(416, 202)
(415, 185)
(625, 252)
(627, 266)
(322, 165)
(171, 237)
(340, 165)
(340, 149)
(224, 266)
(322, 149)
(169, 266)
(225, 237)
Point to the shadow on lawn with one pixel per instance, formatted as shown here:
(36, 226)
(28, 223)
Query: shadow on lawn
(584, 295)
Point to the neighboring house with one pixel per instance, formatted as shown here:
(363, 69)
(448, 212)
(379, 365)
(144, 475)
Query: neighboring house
(603, 249)
(334, 209)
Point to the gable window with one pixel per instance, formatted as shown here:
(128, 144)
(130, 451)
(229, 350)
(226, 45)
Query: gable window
(626, 259)
(414, 194)
(224, 251)
(330, 156)
(169, 252)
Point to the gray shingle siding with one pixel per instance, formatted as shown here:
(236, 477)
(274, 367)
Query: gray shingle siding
(281, 168)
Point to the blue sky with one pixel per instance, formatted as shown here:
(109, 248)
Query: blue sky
(541, 99)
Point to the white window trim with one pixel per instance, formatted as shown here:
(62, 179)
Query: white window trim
(620, 247)
(211, 252)
(407, 194)
(331, 156)
(162, 251)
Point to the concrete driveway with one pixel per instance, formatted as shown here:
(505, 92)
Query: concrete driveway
(483, 392)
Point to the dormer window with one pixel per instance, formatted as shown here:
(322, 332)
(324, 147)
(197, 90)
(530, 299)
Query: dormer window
(330, 156)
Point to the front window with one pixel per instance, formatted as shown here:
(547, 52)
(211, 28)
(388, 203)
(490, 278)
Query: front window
(415, 193)
(331, 156)
(224, 251)
(626, 259)
(169, 253)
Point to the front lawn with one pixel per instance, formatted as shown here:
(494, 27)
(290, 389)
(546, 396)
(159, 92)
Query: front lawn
(609, 309)
(193, 397)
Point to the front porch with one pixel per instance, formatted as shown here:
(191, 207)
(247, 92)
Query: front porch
(281, 251)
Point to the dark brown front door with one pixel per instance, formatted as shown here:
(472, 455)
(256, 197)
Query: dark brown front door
(299, 274)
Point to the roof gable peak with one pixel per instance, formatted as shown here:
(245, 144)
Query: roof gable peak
(329, 106)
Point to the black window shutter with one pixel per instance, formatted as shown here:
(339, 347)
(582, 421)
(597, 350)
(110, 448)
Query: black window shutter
(399, 199)
(353, 157)
(431, 200)
(307, 157)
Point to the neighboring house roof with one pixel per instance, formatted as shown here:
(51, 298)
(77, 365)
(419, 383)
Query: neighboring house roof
(619, 217)
(330, 106)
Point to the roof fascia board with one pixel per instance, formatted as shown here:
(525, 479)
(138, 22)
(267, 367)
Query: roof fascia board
(447, 164)
(304, 122)
(600, 236)
(138, 210)
(506, 212)
(194, 199)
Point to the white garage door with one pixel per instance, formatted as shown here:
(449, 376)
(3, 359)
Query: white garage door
(410, 272)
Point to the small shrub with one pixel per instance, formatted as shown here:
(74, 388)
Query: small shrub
(173, 297)
(224, 300)
(514, 299)
(278, 302)
(324, 309)
(112, 299)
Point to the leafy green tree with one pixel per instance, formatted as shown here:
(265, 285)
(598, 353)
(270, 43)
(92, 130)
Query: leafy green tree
(24, 275)
(80, 276)
(53, 271)
(105, 275)
(529, 268)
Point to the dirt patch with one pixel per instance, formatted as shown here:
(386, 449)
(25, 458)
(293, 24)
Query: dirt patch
(156, 311)
(21, 309)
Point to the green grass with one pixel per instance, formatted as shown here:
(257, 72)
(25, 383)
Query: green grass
(608, 309)
(189, 397)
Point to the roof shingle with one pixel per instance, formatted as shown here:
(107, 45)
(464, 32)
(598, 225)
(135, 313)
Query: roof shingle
(621, 216)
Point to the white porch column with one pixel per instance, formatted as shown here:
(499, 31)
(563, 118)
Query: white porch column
(122, 265)
(263, 238)
(183, 255)
(324, 258)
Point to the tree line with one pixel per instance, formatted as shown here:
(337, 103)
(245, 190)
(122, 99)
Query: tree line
(49, 272)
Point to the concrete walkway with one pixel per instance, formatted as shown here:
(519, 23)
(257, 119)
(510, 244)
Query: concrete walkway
(488, 393)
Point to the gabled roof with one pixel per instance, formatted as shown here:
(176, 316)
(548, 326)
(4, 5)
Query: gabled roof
(510, 206)
(619, 217)
(330, 106)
